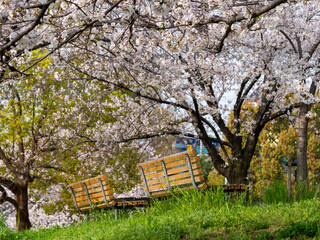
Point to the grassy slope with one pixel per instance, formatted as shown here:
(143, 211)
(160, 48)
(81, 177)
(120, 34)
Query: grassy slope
(194, 216)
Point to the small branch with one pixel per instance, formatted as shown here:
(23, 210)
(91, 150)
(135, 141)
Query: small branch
(313, 48)
(112, 7)
(279, 113)
(217, 19)
(290, 41)
(238, 104)
(299, 47)
(53, 167)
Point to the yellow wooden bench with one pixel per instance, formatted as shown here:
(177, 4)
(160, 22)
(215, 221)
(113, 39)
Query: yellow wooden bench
(97, 193)
(172, 174)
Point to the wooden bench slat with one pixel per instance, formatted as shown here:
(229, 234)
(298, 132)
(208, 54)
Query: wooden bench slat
(93, 191)
(83, 194)
(162, 180)
(89, 181)
(81, 189)
(94, 185)
(157, 166)
(169, 159)
(173, 171)
(184, 181)
(94, 196)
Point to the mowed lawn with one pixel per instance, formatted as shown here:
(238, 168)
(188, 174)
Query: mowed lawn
(204, 215)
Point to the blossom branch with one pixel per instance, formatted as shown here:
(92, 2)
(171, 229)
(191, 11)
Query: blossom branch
(72, 36)
(5, 47)
(279, 113)
(313, 48)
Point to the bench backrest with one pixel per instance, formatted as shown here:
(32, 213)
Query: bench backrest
(171, 174)
(93, 192)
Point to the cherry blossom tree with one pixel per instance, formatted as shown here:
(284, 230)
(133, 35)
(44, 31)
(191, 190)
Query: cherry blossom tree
(188, 57)
(303, 37)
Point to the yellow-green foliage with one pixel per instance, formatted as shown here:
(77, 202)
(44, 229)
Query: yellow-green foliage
(277, 144)
(41, 103)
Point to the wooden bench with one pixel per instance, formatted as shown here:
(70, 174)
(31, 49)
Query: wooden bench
(172, 174)
(97, 193)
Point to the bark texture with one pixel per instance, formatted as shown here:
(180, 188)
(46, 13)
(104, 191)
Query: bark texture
(302, 144)
(22, 213)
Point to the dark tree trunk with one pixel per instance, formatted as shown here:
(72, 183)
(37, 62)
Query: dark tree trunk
(238, 173)
(22, 213)
(302, 143)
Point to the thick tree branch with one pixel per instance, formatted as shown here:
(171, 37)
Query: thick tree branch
(8, 184)
(4, 195)
(219, 121)
(5, 198)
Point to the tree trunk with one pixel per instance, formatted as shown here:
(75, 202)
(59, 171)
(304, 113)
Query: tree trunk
(238, 173)
(22, 214)
(302, 143)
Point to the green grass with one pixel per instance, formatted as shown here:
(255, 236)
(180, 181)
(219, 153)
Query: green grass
(195, 215)
(277, 193)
